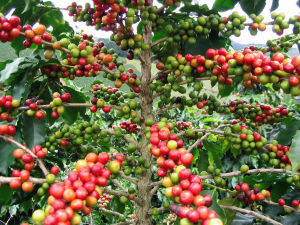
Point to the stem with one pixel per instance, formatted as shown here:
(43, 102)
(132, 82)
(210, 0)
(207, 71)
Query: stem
(254, 171)
(219, 188)
(40, 162)
(237, 209)
(6, 180)
(166, 109)
(131, 179)
(159, 41)
(110, 212)
(284, 206)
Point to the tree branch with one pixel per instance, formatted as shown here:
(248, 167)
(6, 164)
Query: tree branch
(245, 211)
(131, 179)
(118, 184)
(284, 206)
(39, 161)
(166, 109)
(127, 138)
(6, 180)
(254, 171)
(159, 41)
(154, 190)
(198, 141)
(49, 44)
(157, 183)
(110, 212)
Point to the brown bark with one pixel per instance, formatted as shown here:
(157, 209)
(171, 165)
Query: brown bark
(144, 182)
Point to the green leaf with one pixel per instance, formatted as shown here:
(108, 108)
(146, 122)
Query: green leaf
(254, 6)
(27, 5)
(275, 5)
(71, 113)
(294, 153)
(263, 180)
(229, 213)
(215, 206)
(214, 152)
(288, 128)
(5, 194)
(6, 152)
(34, 131)
(159, 35)
(202, 161)
(298, 3)
(215, 40)
(199, 9)
(140, 28)
(226, 91)
(223, 5)
(10, 68)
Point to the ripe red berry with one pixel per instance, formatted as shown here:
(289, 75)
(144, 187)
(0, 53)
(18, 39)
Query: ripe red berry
(295, 203)
(281, 202)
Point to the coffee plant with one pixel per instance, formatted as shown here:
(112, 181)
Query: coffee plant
(199, 133)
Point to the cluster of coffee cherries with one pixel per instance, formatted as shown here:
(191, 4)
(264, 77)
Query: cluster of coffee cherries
(50, 179)
(108, 94)
(258, 113)
(295, 203)
(129, 127)
(101, 15)
(21, 178)
(79, 192)
(278, 155)
(34, 110)
(7, 105)
(181, 185)
(183, 125)
(9, 130)
(57, 104)
(104, 200)
(250, 196)
(247, 141)
(9, 28)
(171, 219)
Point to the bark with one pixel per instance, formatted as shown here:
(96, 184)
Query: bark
(144, 182)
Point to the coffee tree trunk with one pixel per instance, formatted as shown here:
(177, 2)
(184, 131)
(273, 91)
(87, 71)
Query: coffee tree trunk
(144, 204)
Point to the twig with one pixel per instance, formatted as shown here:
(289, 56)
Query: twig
(157, 183)
(159, 41)
(237, 209)
(51, 7)
(118, 184)
(127, 138)
(254, 171)
(49, 44)
(91, 219)
(198, 141)
(40, 162)
(219, 188)
(6, 180)
(166, 109)
(110, 212)
(154, 190)
(284, 206)
(131, 179)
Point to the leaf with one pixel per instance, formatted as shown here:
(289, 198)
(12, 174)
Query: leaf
(71, 113)
(27, 5)
(199, 9)
(159, 35)
(214, 152)
(227, 90)
(275, 5)
(10, 68)
(298, 3)
(5, 194)
(288, 128)
(34, 131)
(278, 190)
(229, 213)
(243, 219)
(215, 40)
(263, 180)
(6, 152)
(294, 153)
(223, 5)
(202, 161)
(254, 6)
(140, 28)
(215, 206)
